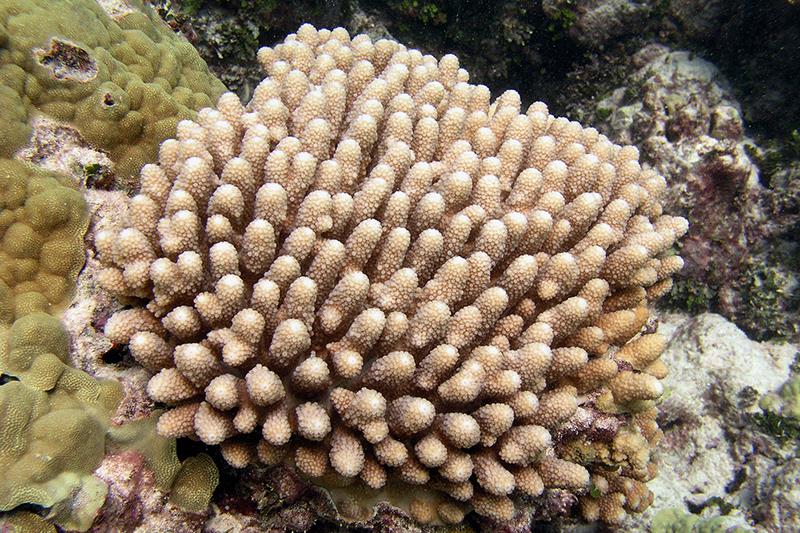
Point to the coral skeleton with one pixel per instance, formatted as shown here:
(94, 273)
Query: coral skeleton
(374, 272)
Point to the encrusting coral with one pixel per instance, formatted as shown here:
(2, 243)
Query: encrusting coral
(375, 273)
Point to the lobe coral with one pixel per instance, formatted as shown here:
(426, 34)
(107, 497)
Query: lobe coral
(374, 272)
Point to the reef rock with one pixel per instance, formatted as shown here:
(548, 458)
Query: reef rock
(681, 111)
(712, 455)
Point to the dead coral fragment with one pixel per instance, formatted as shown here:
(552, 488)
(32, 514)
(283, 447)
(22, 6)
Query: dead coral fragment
(67, 61)
(381, 272)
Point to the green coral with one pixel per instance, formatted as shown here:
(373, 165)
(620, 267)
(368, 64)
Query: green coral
(49, 447)
(677, 521)
(123, 82)
(195, 483)
(42, 224)
(57, 428)
(36, 351)
(14, 117)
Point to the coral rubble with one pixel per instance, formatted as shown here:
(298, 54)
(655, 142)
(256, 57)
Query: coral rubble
(377, 274)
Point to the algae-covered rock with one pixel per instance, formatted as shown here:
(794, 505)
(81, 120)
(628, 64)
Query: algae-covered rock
(682, 112)
(42, 223)
(134, 501)
(676, 521)
(124, 79)
(714, 459)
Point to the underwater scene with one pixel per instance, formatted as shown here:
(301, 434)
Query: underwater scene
(399, 266)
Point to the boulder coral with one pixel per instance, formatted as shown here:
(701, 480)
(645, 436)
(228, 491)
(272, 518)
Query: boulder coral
(119, 80)
(374, 272)
(42, 225)
(54, 422)
(122, 79)
(51, 444)
(58, 425)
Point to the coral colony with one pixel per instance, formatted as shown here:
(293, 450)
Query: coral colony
(379, 275)
(119, 84)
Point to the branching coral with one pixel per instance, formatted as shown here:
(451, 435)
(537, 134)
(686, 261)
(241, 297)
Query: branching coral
(374, 272)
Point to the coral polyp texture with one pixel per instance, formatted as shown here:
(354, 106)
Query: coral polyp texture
(374, 272)
(120, 77)
(42, 224)
(58, 426)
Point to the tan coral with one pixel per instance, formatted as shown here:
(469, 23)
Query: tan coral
(386, 275)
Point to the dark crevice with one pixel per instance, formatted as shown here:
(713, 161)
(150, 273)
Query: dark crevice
(117, 354)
